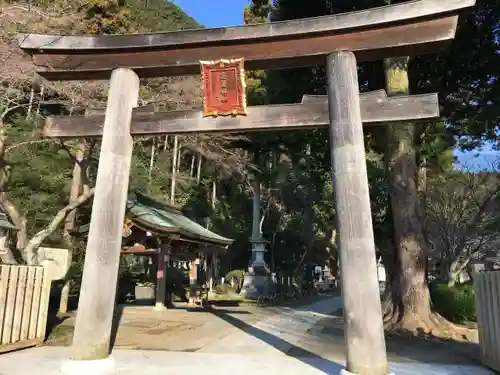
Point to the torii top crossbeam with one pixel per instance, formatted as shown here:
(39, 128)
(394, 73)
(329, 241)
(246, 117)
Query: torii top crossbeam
(409, 28)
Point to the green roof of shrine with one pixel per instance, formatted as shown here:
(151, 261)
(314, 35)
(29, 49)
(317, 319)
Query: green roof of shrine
(164, 220)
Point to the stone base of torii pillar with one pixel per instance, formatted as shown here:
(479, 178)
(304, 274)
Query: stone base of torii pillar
(258, 280)
(105, 366)
(345, 372)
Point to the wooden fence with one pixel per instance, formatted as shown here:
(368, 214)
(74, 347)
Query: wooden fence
(487, 288)
(24, 302)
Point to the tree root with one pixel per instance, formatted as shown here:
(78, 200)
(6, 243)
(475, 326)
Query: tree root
(430, 326)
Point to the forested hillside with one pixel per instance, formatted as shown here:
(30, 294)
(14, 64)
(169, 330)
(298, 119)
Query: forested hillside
(36, 172)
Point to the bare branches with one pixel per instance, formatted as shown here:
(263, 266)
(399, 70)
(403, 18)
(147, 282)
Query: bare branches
(35, 242)
(26, 143)
(462, 218)
(219, 150)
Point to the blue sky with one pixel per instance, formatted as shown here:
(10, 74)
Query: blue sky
(214, 13)
(475, 160)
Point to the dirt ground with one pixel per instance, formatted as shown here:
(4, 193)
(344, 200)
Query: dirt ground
(178, 329)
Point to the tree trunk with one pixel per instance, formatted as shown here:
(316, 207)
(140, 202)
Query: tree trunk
(256, 209)
(409, 305)
(212, 201)
(151, 163)
(19, 222)
(30, 104)
(191, 169)
(308, 211)
(179, 159)
(174, 169)
(69, 224)
(35, 242)
(456, 268)
(42, 91)
(453, 278)
(6, 255)
(333, 254)
(10, 209)
(215, 260)
(198, 169)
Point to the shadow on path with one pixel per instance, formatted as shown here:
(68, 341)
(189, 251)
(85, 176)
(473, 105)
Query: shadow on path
(117, 317)
(307, 357)
(328, 336)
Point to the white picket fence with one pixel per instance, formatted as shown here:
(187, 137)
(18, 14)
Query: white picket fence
(24, 303)
(487, 288)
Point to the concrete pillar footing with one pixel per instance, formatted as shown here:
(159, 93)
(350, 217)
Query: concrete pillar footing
(160, 307)
(105, 366)
(345, 372)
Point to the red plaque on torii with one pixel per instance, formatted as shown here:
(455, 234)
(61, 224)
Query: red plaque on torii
(223, 88)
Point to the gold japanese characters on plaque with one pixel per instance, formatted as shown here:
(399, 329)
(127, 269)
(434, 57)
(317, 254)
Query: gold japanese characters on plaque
(223, 88)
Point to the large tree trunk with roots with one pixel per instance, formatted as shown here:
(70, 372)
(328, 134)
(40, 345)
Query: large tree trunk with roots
(406, 301)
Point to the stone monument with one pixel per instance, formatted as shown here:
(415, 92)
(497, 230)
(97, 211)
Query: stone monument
(258, 281)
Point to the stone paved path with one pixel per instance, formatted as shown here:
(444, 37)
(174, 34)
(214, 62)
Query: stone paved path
(276, 334)
(279, 344)
(46, 361)
(323, 345)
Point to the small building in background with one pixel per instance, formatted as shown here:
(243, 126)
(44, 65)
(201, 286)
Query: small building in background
(161, 235)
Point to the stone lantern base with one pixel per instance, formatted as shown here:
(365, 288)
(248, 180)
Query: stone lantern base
(258, 280)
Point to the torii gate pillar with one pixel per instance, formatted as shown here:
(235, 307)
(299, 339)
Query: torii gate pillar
(364, 331)
(90, 352)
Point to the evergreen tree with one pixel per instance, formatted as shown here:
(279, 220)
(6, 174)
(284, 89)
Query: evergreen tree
(465, 85)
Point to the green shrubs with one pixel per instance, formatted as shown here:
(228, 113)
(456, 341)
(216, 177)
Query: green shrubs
(235, 277)
(232, 283)
(457, 304)
(222, 289)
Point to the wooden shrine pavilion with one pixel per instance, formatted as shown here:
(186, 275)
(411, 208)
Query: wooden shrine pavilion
(153, 228)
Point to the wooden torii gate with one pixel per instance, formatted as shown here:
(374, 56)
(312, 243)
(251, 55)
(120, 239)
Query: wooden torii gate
(404, 29)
